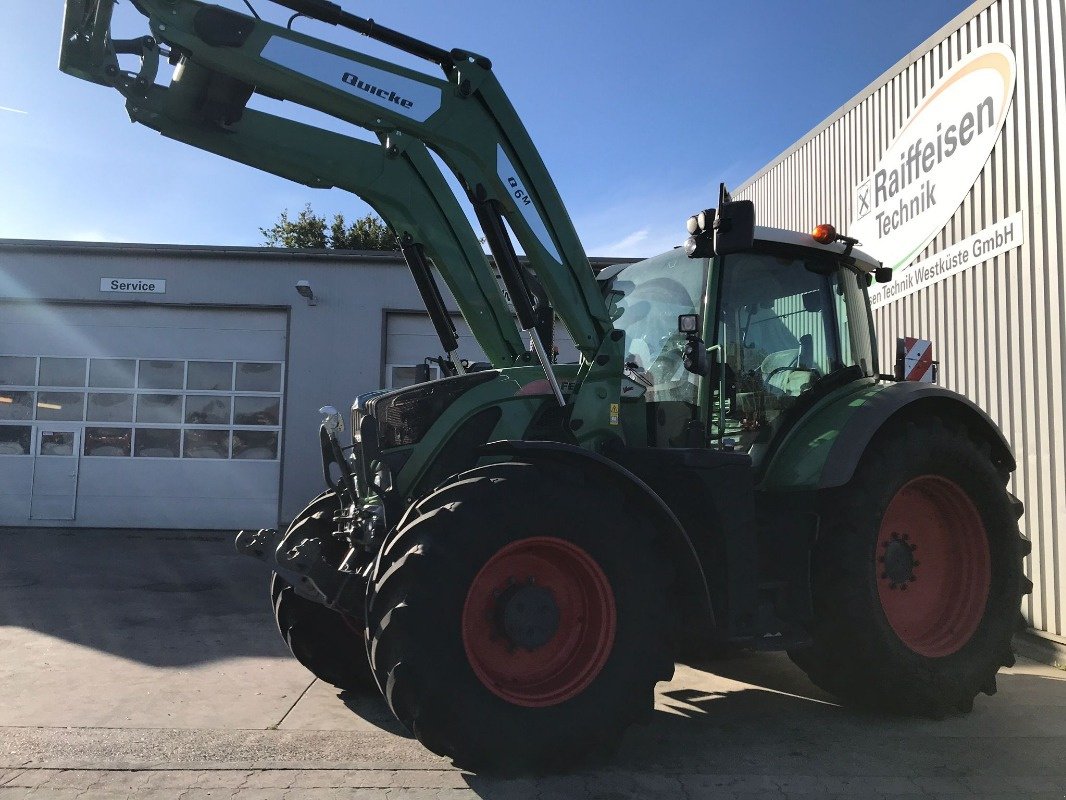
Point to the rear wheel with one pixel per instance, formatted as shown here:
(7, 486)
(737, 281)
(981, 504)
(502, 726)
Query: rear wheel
(328, 643)
(918, 574)
(519, 618)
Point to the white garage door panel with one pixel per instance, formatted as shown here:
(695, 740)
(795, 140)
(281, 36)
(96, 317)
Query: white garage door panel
(16, 482)
(126, 490)
(190, 478)
(412, 338)
(158, 332)
(173, 513)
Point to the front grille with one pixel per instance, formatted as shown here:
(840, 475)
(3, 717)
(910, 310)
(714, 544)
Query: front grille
(406, 415)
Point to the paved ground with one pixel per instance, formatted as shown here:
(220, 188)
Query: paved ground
(147, 665)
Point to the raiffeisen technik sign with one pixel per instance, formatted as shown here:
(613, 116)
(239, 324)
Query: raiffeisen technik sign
(925, 174)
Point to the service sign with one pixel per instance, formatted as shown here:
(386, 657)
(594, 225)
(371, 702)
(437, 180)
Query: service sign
(134, 285)
(926, 173)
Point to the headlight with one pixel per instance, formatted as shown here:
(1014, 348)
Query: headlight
(357, 417)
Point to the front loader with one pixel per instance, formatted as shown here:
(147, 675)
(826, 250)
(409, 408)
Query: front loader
(515, 556)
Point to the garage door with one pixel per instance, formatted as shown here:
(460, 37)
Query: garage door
(411, 338)
(152, 417)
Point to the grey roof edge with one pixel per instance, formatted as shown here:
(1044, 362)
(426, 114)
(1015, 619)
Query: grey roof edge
(192, 250)
(914, 55)
(227, 251)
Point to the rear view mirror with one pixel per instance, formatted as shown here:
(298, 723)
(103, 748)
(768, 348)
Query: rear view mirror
(735, 227)
(812, 302)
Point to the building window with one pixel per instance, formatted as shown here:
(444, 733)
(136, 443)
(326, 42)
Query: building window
(161, 375)
(61, 406)
(108, 441)
(109, 407)
(16, 405)
(202, 443)
(157, 443)
(15, 440)
(256, 410)
(211, 376)
(258, 377)
(62, 372)
(112, 373)
(261, 445)
(207, 409)
(18, 371)
(57, 443)
(167, 408)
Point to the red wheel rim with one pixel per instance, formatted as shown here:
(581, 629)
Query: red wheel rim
(933, 566)
(539, 622)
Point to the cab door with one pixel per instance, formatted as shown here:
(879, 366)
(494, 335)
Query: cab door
(56, 459)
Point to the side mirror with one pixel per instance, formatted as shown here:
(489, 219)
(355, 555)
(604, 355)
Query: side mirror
(728, 229)
(735, 227)
(422, 373)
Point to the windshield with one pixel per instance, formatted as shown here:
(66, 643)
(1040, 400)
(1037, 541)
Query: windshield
(646, 299)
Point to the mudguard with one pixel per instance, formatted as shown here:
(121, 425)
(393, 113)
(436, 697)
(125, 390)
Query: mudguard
(823, 450)
(698, 609)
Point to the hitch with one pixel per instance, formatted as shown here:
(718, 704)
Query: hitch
(300, 562)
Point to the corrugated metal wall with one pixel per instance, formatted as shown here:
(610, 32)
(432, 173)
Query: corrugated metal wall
(999, 328)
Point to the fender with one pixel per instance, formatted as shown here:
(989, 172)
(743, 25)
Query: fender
(824, 449)
(700, 614)
(908, 397)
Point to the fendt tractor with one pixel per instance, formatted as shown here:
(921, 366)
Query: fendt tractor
(516, 553)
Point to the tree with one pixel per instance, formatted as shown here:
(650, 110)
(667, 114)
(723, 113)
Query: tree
(309, 230)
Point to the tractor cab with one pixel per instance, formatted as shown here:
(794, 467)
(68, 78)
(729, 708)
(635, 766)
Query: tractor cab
(725, 351)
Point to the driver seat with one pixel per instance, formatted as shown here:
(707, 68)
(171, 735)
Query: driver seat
(791, 382)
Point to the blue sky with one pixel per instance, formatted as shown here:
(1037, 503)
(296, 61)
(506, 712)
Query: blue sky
(639, 110)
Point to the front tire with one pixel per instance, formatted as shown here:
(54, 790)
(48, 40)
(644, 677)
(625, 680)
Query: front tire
(327, 643)
(519, 618)
(917, 574)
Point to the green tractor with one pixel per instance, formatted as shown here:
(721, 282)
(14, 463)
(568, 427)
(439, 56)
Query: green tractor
(515, 555)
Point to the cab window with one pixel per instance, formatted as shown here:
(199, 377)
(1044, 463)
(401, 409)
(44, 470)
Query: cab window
(778, 330)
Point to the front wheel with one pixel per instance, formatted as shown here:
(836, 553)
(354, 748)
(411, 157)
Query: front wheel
(519, 618)
(917, 574)
(326, 642)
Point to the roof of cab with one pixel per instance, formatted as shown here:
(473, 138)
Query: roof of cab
(863, 260)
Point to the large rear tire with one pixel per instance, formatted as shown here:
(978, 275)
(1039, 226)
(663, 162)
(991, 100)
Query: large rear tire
(519, 618)
(326, 642)
(918, 574)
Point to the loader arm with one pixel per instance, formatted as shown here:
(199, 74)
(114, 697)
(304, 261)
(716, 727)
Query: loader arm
(465, 117)
(402, 183)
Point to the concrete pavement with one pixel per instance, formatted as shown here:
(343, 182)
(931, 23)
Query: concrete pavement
(147, 665)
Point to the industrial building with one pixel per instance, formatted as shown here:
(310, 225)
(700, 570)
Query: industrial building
(949, 168)
(150, 386)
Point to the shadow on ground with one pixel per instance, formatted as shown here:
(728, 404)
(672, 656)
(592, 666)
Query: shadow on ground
(160, 598)
(371, 707)
(758, 716)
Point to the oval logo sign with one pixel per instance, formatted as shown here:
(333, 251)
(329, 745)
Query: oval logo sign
(930, 167)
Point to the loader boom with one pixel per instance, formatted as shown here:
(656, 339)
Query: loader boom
(465, 117)
(402, 183)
